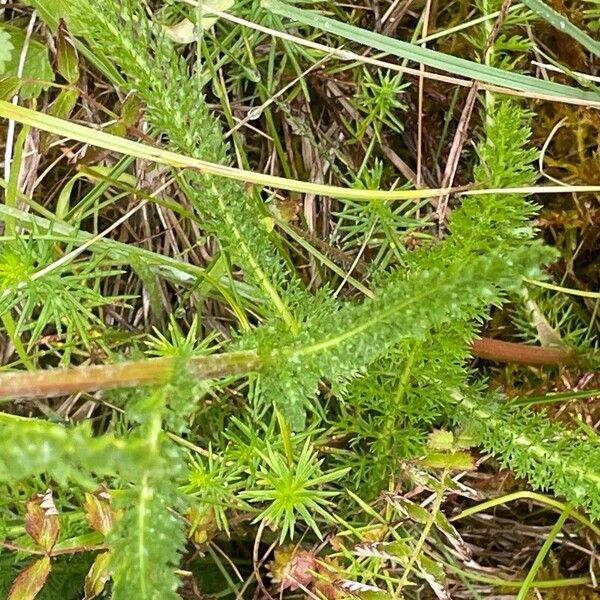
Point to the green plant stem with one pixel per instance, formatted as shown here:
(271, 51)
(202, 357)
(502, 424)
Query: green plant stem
(546, 584)
(392, 417)
(12, 188)
(115, 143)
(552, 398)
(526, 495)
(462, 26)
(512, 352)
(565, 290)
(422, 539)
(100, 139)
(539, 559)
(11, 329)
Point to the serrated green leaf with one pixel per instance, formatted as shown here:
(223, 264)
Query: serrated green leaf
(36, 66)
(6, 49)
(9, 86)
(440, 440)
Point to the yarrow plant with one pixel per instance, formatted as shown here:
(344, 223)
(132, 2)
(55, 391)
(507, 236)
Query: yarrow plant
(289, 403)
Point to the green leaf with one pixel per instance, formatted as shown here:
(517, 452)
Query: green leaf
(36, 66)
(548, 454)
(97, 576)
(147, 542)
(52, 11)
(9, 86)
(150, 281)
(440, 440)
(67, 58)
(98, 511)
(462, 461)
(6, 49)
(68, 453)
(64, 104)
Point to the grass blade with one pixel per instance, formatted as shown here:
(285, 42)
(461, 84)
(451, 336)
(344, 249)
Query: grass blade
(88, 135)
(433, 58)
(563, 24)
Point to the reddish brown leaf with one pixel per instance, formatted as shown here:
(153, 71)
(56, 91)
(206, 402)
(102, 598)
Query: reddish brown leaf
(98, 511)
(292, 568)
(41, 520)
(30, 580)
(97, 576)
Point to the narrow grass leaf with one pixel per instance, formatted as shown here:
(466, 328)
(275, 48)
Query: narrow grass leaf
(563, 24)
(431, 58)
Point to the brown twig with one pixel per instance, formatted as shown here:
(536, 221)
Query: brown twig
(522, 354)
(153, 371)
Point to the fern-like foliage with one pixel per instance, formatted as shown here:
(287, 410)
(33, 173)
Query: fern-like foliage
(147, 541)
(395, 362)
(412, 386)
(450, 285)
(62, 299)
(339, 345)
(551, 456)
(65, 453)
(176, 107)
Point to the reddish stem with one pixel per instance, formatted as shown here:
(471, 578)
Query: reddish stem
(523, 354)
(152, 371)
